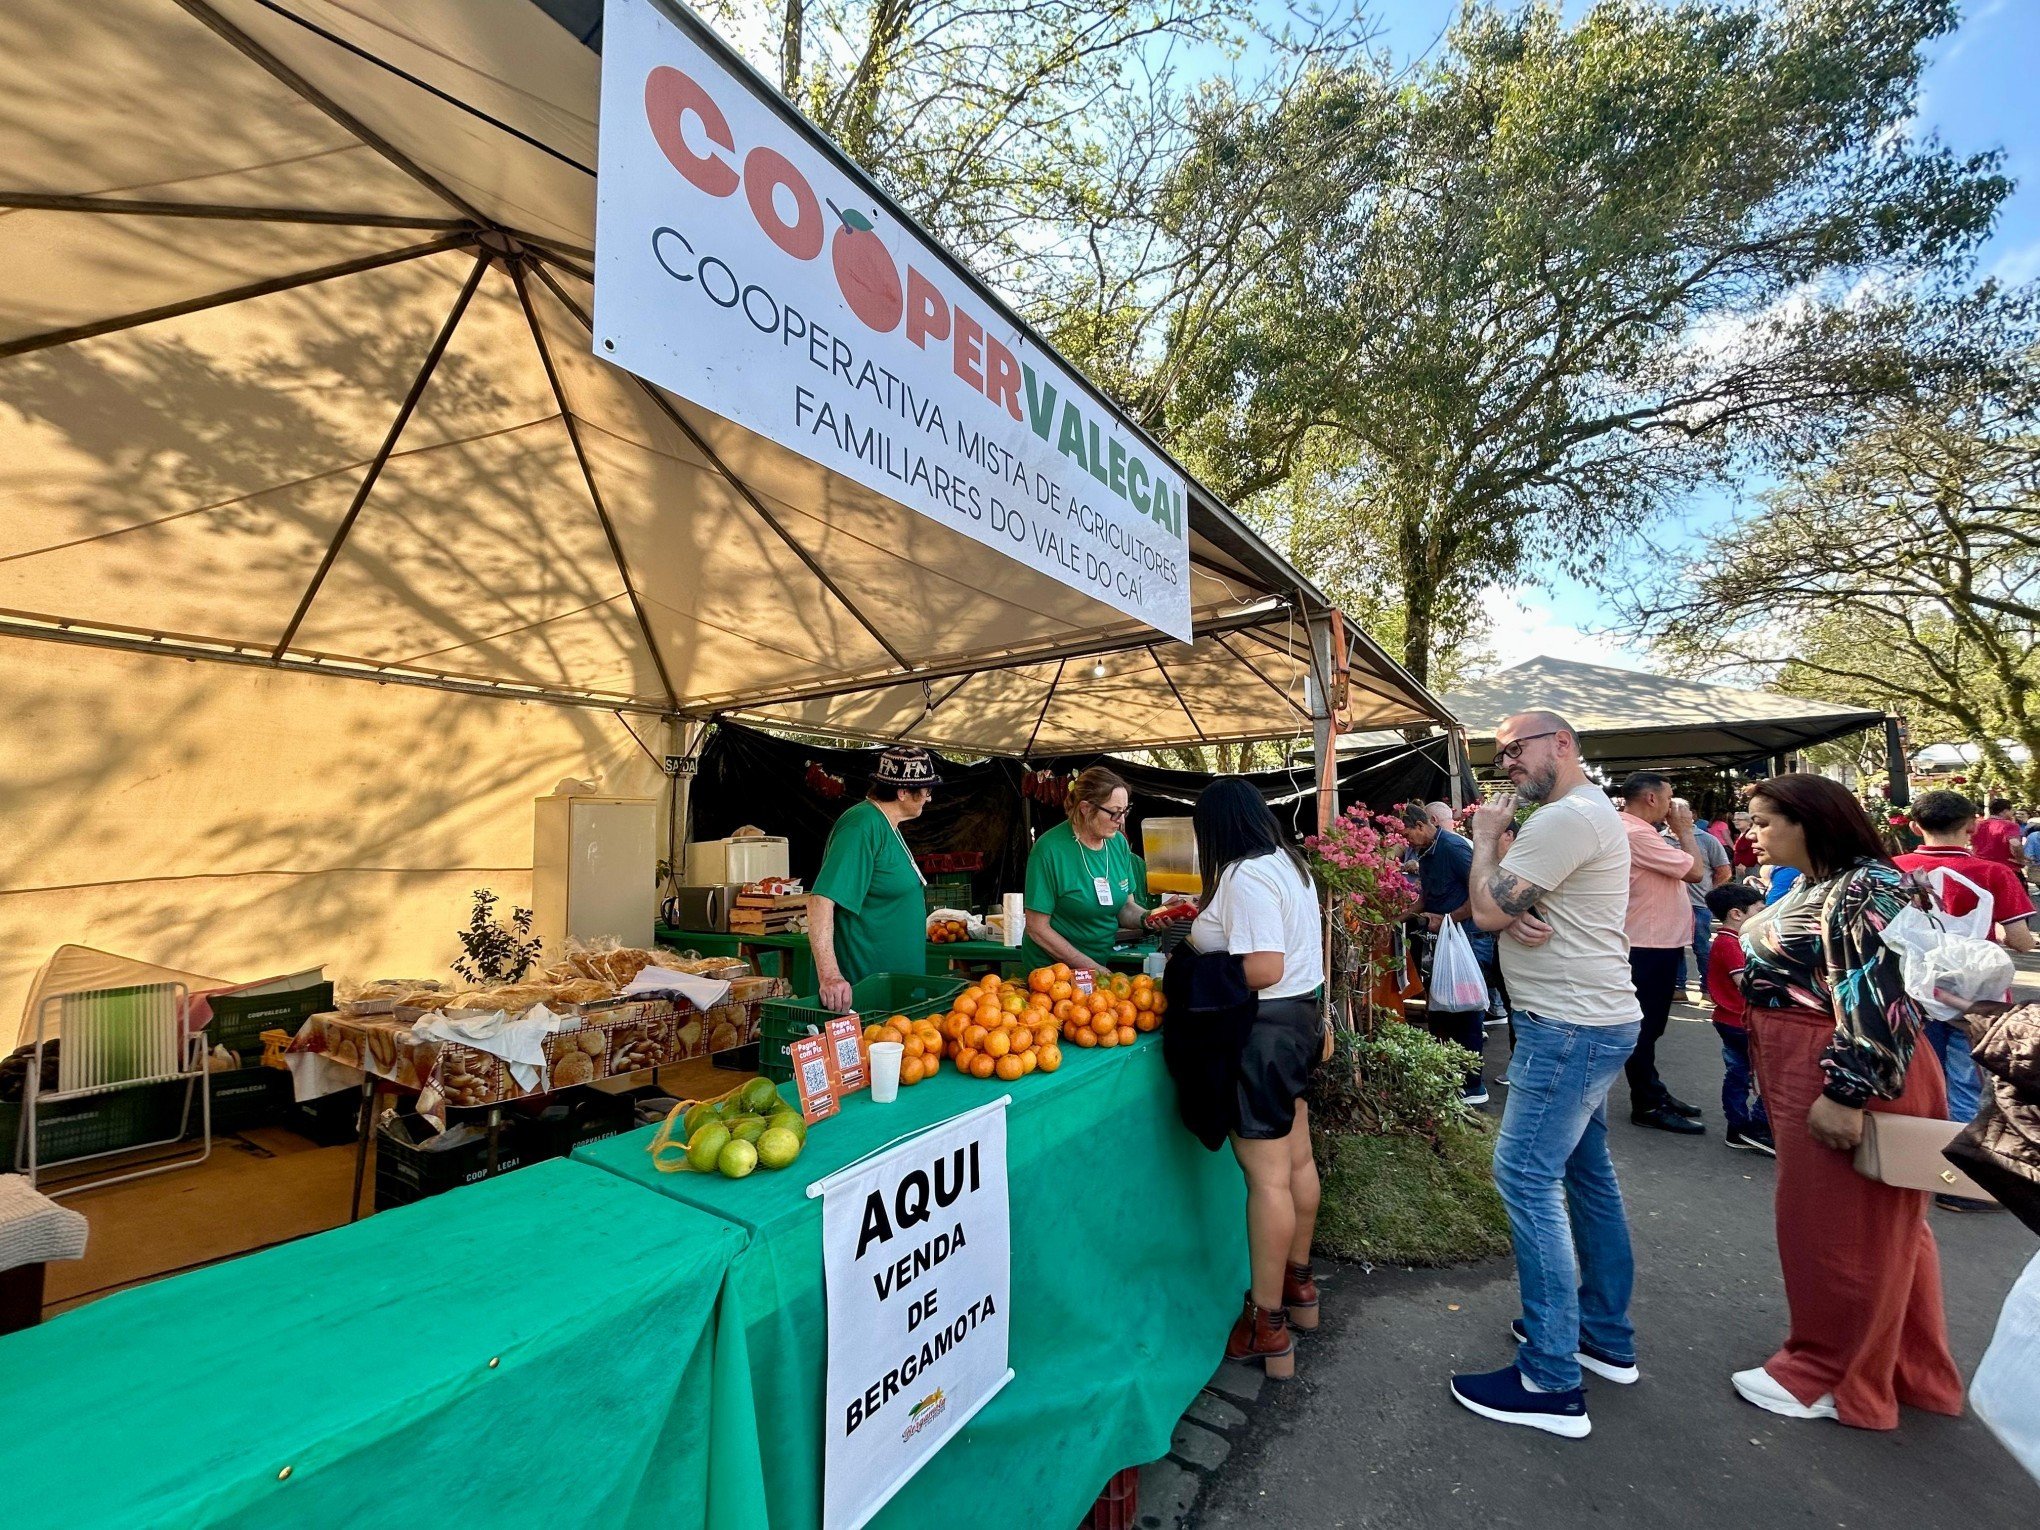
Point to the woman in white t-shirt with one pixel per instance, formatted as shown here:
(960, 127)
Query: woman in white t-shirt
(1260, 905)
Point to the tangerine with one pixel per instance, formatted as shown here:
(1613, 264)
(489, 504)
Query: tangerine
(910, 1070)
(1148, 1020)
(874, 1033)
(1126, 1035)
(1107, 1038)
(914, 1049)
(1161, 1002)
(1023, 1038)
(896, 1020)
(1061, 971)
(1009, 1068)
(1051, 1058)
(1085, 1038)
(1028, 1062)
(990, 982)
(966, 1001)
(965, 1056)
(1039, 979)
(1012, 1004)
(1144, 998)
(981, 1066)
(931, 1065)
(974, 1036)
(998, 1044)
(1060, 990)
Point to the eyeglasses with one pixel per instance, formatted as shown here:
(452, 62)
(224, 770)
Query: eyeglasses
(1117, 815)
(1514, 751)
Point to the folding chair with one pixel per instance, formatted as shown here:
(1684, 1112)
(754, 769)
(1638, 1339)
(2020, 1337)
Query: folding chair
(113, 1039)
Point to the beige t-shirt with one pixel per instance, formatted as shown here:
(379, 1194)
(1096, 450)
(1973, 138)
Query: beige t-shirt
(1576, 848)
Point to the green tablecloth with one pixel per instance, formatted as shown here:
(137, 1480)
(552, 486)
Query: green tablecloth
(360, 1359)
(1129, 1256)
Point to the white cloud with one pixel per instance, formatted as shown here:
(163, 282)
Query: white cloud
(1522, 625)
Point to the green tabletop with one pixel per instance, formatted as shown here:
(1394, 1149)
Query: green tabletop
(1129, 1257)
(539, 1349)
(1012, 958)
(795, 960)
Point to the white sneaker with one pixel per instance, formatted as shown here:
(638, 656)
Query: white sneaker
(1760, 1387)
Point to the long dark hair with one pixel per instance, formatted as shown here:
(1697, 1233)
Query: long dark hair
(1233, 823)
(1839, 834)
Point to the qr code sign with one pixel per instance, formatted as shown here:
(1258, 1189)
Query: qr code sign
(814, 1077)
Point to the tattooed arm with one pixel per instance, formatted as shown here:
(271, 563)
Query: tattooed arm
(1499, 897)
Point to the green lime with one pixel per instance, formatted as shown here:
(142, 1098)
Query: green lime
(750, 1129)
(696, 1118)
(760, 1096)
(790, 1121)
(738, 1159)
(778, 1148)
(705, 1147)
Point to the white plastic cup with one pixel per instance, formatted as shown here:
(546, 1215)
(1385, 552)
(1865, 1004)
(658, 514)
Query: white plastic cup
(885, 1070)
(1013, 929)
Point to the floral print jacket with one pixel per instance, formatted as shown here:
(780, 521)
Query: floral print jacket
(1820, 947)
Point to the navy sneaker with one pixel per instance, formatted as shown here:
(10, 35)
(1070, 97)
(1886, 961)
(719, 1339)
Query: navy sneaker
(1501, 1396)
(1599, 1361)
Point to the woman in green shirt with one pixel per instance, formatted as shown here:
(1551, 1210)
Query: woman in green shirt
(866, 912)
(1082, 879)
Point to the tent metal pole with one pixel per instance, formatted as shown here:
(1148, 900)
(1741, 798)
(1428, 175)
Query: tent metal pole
(1324, 722)
(375, 466)
(1258, 675)
(688, 735)
(1455, 765)
(1897, 769)
(425, 85)
(199, 11)
(1188, 715)
(933, 705)
(264, 288)
(1045, 701)
(161, 648)
(45, 201)
(559, 394)
(1351, 677)
(729, 476)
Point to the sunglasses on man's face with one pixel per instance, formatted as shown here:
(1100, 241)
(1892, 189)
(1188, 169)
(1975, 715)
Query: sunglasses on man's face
(1514, 750)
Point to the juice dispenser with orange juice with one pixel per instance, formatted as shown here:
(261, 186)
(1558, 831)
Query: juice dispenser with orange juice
(1169, 846)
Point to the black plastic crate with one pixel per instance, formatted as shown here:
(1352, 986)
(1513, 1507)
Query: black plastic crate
(249, 1097)
(406, 1172)
(584, 1115)
(331, 1120)
(97, 1123)
(238, 1020)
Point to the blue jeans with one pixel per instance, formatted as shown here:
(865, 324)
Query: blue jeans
(1739, 1103)
(1571, 1235)
(1965, 1084)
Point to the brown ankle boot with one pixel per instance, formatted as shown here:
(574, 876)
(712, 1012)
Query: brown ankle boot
(1299, 1296)
(1261, 1337)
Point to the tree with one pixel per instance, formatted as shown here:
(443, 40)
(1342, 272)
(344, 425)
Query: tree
(1505, 310)
(1899, 568)
(996, 127)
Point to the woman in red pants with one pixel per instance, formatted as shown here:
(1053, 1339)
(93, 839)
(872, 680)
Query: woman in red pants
(1834, 1034)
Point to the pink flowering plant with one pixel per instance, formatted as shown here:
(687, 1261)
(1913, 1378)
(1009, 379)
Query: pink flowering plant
(1358, 861)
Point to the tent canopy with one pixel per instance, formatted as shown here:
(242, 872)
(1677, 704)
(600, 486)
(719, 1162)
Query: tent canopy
(295, 371)
(1628, 720)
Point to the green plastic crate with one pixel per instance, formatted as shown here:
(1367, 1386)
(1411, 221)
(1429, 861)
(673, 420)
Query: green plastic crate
(238, 1020)
(951, 889)
(98, 1123)
(249, 1097)
(878, 997)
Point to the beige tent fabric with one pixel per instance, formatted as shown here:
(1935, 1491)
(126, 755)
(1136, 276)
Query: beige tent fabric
(408, 458)
(240, 822)
(79, 969)
(1629, 719)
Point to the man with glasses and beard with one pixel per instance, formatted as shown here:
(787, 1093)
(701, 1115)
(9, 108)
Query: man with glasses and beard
(1558, 898)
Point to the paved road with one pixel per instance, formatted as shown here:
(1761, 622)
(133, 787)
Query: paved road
(1367, 1436)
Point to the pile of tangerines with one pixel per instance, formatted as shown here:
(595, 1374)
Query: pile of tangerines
(1001, 1028)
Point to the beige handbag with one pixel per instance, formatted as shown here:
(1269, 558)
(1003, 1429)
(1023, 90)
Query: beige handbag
(1905, 1153)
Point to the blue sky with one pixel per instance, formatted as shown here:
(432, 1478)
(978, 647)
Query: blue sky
(1980, 92)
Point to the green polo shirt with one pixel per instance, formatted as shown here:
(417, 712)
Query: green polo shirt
(881, 915)
(1062, 875)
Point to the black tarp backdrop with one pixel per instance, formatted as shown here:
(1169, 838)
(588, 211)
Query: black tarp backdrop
(774, 784)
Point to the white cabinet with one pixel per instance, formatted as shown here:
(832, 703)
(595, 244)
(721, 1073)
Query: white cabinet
(594, 864)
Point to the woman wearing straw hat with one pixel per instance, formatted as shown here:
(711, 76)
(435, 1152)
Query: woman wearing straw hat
(866, 913)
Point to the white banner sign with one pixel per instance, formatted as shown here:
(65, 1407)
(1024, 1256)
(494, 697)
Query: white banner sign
(744, 268)
(916, 1245)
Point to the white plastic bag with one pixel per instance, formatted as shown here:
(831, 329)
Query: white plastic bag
(1456, 983)
(1949, 961)
(2006, 1391)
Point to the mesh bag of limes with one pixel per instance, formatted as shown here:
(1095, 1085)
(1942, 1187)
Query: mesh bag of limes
(749, 1128)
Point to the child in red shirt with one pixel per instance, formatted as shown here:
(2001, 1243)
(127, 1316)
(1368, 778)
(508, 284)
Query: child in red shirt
(1749, 1128)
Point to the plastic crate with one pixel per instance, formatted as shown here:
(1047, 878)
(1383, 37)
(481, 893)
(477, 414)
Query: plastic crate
(1119, 1505)
(952, 889)
(239, 1019)
(247, 1098)
(99, 1123)
(405, 1172)
(876, 998)
(584, 1115)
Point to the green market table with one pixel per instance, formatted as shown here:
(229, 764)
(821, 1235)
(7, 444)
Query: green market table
(540, 1349)
(791, 957)
(1128, 1260)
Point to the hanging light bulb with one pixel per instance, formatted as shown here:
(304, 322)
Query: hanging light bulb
(1098, 670)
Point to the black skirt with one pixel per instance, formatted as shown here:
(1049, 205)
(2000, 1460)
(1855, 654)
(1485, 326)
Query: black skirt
(1276, 1065)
